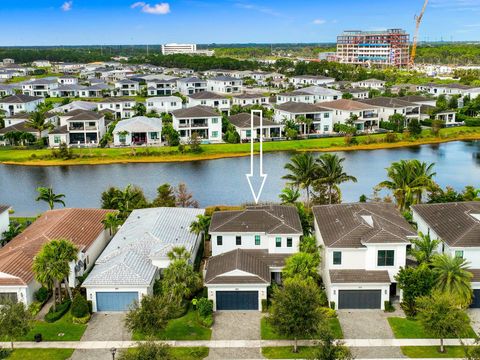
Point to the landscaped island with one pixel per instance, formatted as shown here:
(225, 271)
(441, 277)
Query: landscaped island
(93, 156)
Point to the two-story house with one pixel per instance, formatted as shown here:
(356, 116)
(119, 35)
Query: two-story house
(163, 104)
(366, 115)
(225, 85)
(307, 80)
(390, 106)
(39, 87)
(211, 99)
(295, 96)
(126, 87)
(121, 107)
(250, 99)
(80, 128)
(139, 130)
(321, 118)
(161, 87)
(249, 248)
(202, 120)
(457, 226)
(369, 84)
(243, 125)
(191, 85)
(18, 103)
(363, 247)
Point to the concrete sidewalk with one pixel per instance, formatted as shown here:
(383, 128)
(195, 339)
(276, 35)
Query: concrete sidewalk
(235, 343)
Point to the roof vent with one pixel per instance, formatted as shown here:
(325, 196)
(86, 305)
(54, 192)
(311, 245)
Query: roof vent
(368, 219)
(476, 216)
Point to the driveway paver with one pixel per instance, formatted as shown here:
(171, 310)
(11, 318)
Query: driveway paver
(236, 325)
(475, 317)
(102, 327)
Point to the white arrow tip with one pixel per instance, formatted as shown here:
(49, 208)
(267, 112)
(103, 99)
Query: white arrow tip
(256, 197)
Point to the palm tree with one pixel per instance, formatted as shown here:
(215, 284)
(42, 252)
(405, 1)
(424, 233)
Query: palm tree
(330, 173)
(126, 199)
(202, 224)
(47, 195)
(453, 277)
(178, 253)
(289, 195)
(409, 179)
(13, 230)
(37, 121)
(66, 253)
(44, 107)
(424, 248)
(111, 222)
(303, 169)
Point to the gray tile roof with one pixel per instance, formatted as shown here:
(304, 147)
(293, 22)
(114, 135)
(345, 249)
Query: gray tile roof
(85, 115)
(243, 120)
(300, 108)
(355, 225)
(453, 222)
(4, 208)
(387, 102)
(268, 219)
(206, 95)
(21, 126)
(359, 276)
(60, 130)
(146, 234)
(255, 262)
(195, 111)
(19, 99)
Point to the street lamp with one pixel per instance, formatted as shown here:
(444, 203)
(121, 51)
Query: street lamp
(113, 352)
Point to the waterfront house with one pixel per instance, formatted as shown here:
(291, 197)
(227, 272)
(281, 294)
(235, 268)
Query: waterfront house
(203, 120)
(364, 245)
(388, 106)
(249, 248)
(242, 123)
(19, 103)
(211, 99)
(83, 227)
(344, 109)
(80, 128)
(139, 130)
(457, 226)
(321, 118)
(130, 264)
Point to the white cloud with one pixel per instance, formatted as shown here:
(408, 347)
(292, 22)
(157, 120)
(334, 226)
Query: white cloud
(319, 21)
(156, 9)
(261, 9)
(67, 5)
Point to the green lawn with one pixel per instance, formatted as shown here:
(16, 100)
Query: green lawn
(183, 328)
(286, 352)
(433, 352)
(268, 333)
(212, 151)
(60, 330)
(22, 220)
(411, 329)
(185, 353)
(41, 354)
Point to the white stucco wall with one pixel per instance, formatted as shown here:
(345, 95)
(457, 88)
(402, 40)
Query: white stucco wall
(4, 221)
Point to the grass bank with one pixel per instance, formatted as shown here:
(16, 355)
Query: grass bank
(404, 328)
(41, 354)
(95, 156)
(425, 352)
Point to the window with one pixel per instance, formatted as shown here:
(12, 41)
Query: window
(278, 242)
(56, 139)
(459, 254)
(219, 240)
(214, 134)
(386, 257)
(238, 240)
(214, 120)
(337, 258)
(249, 133)
(326, 115)
(257, 239)
(154, 136)
(325, 128)
(289, 242)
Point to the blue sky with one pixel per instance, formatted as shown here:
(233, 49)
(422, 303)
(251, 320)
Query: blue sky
(77, 22)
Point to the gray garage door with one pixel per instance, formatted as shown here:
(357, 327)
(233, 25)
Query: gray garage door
(237, 300)
(359, 299)
(115, 301)
(476, 299)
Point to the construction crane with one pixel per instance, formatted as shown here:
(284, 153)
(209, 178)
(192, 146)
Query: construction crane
(418, 20)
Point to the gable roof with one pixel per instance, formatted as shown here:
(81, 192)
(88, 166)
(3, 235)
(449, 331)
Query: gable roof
(389, 102)
(139, 124)
(195, 111)
(19, 99)
(453, 222)
(243, 120)
(268, 219)
(347, 105)
(355, 225)
(81, 226)
(146, 234)
(84, 115)
(116, 100)
(21, 126)
(256, 263)
(359, 276)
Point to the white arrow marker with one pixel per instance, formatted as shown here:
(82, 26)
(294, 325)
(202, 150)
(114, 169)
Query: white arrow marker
(249, 176)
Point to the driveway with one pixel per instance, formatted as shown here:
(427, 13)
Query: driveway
(236, 325)
(103, 327)
(475, 317)
(369, 324)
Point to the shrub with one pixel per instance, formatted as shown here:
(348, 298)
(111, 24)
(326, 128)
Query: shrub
(5, 353)
(328, 312)
(206, 321)
(324, 298)
(34, 308)
(350, 140)
(472, 122)
(391, 138)
(388, 306)
(79, 306)
(81, 320)
(42, 295)
(90, 306)
(264, 305)
(332, 305)
(205, 307)
(54, 315)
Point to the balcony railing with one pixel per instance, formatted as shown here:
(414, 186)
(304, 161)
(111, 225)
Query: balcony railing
(74, 128)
